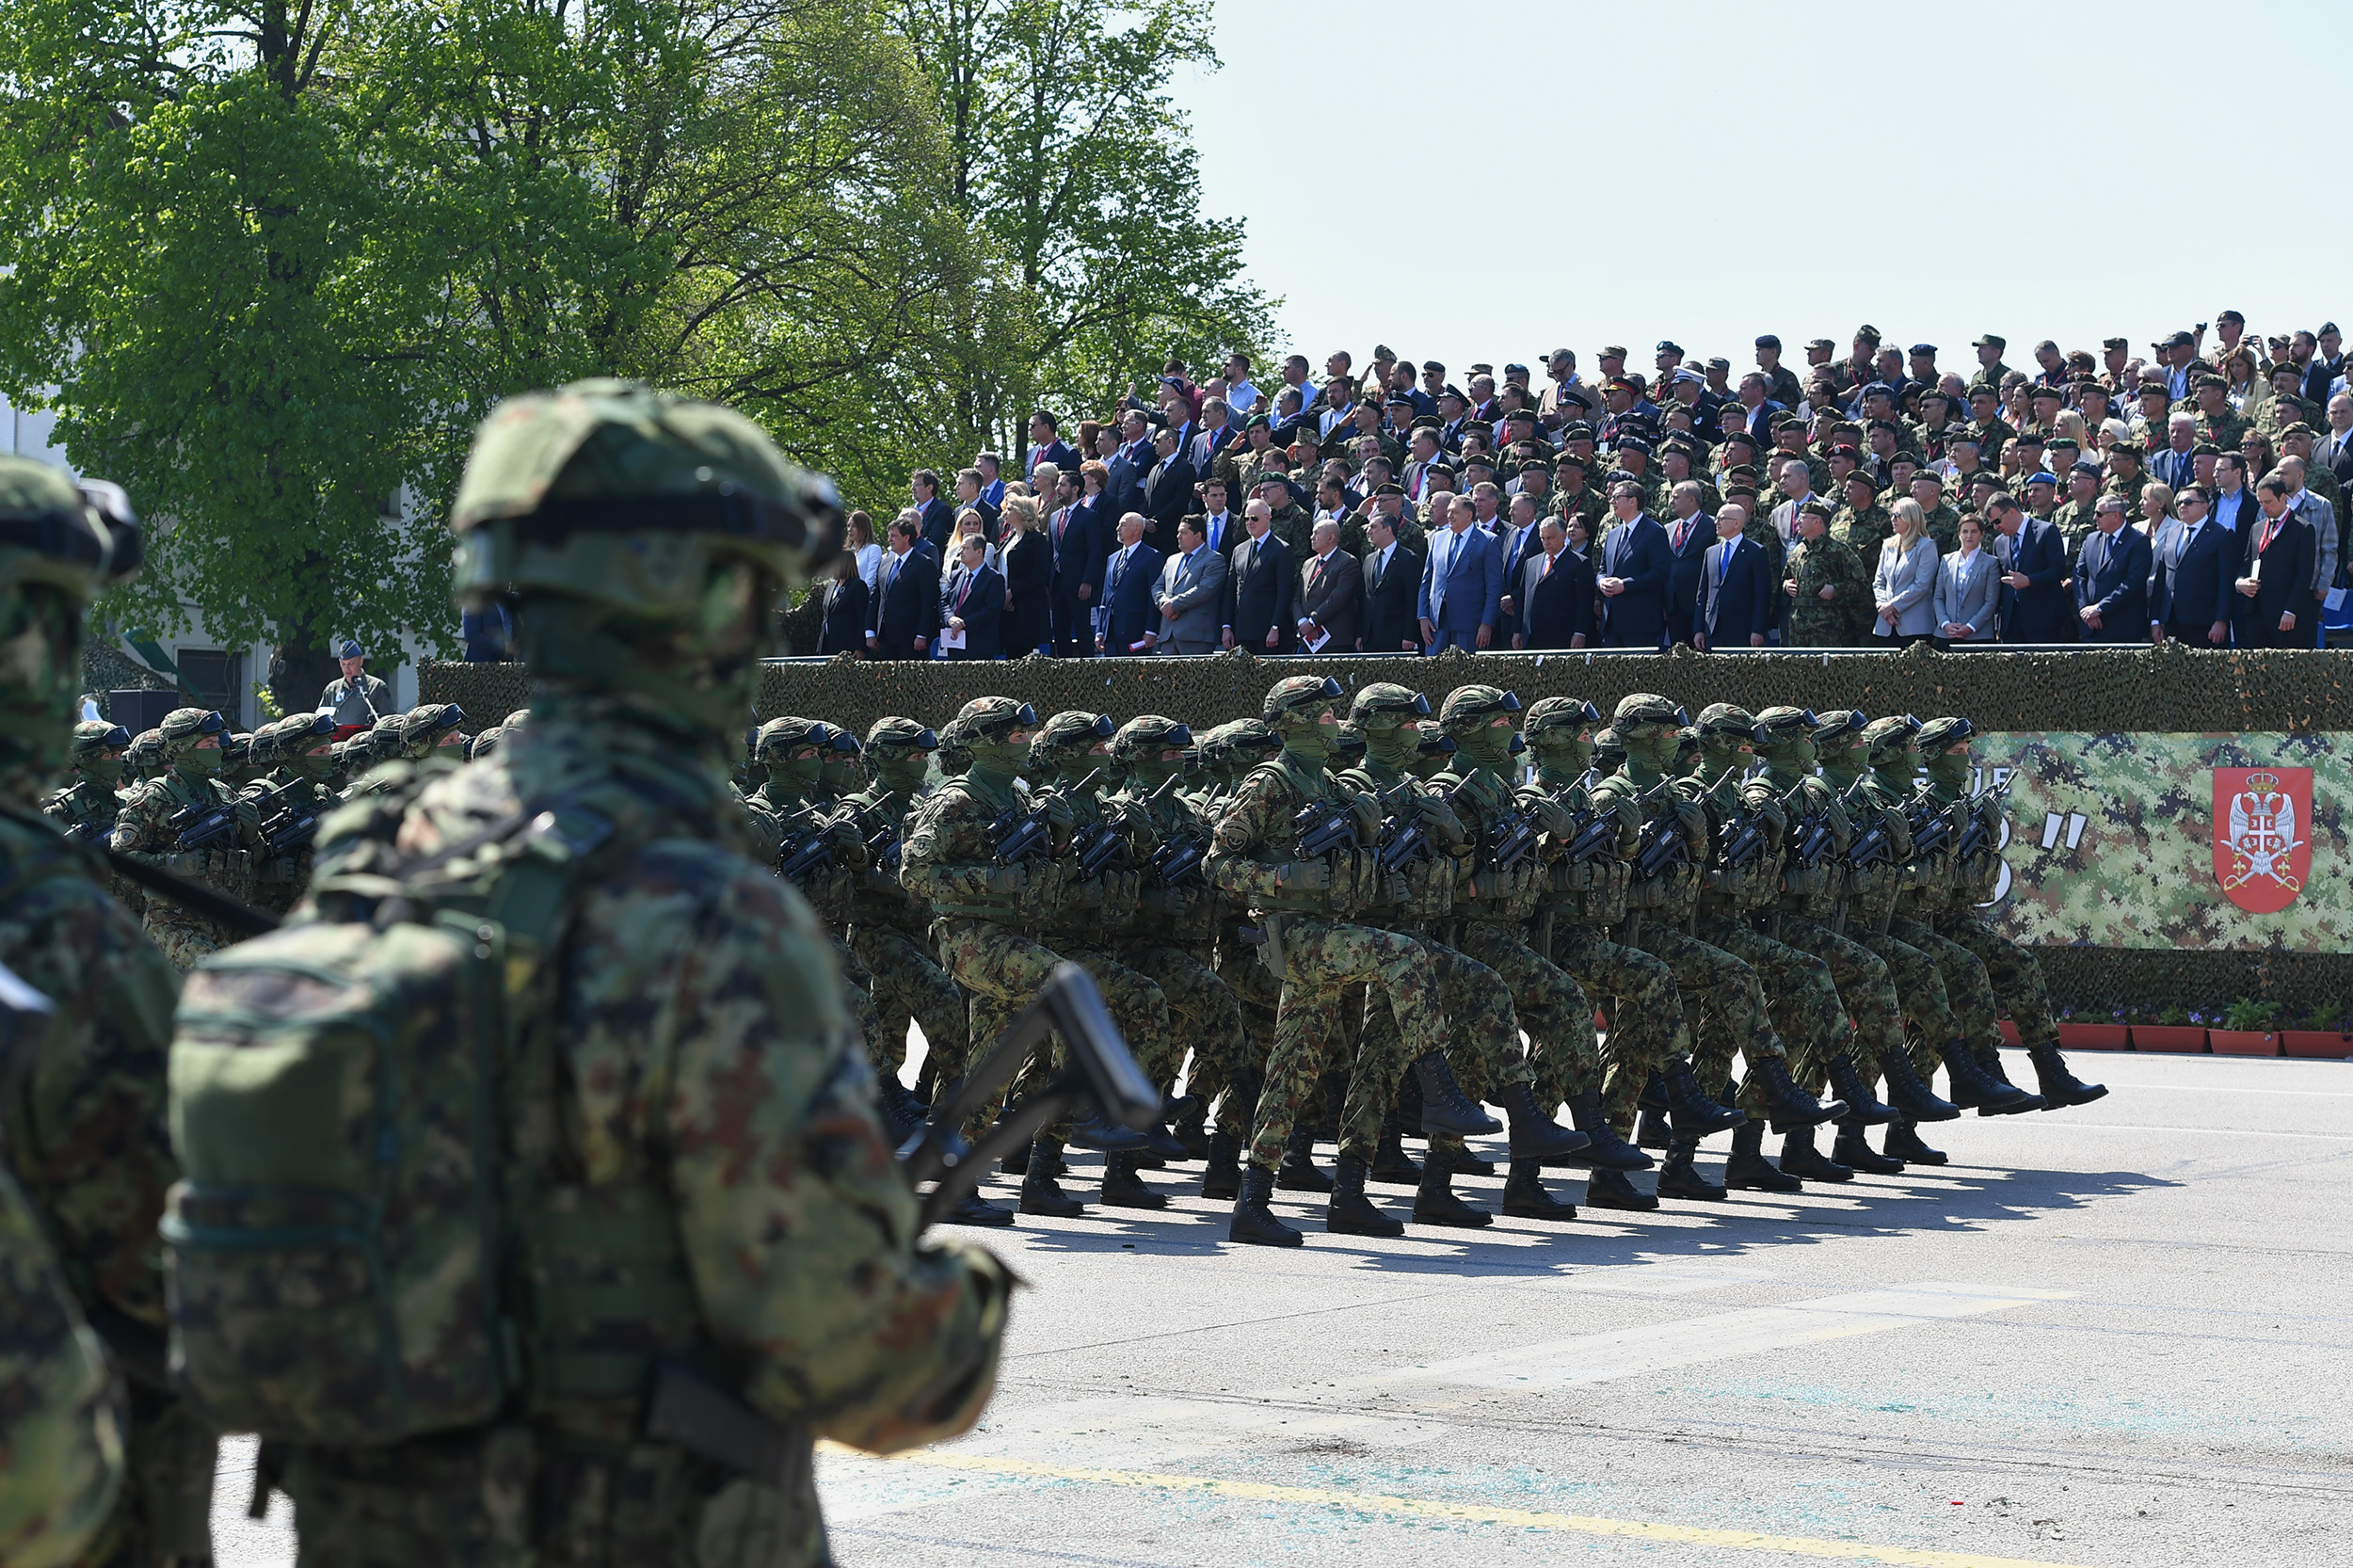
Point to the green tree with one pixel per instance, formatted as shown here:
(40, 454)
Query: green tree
(1069, 152)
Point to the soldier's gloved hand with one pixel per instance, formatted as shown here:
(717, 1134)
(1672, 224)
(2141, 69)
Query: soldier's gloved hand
(1368, 811)
(1306, 876)
(1058, 813)
(1555, 818)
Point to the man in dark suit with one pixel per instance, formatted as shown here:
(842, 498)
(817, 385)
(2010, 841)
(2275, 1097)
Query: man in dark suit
(1690, 535)
(1078, 571)
(906, 598)
(1737, 584)
(1556, 594)
(1216, 434)
(2112, 578)
(969, 485)
(1632, 574)
(1047, 446)
(972, 602)
(1462, 584)
(2034, 605)
(1331, 596)
(1392, 581)
(2334, 451)
(1221, 527)
(846, 614)
(1520, 544)
(1261, 581)
(1129, 578)
(1123, 484)
(2276, 605)
(2196, 561)
(937, 519)
(1168, 496)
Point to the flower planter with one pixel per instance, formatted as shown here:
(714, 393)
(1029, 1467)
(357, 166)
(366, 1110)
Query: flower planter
(2010, 1035)
(2315, 1042)
(2244, 1042)
(2094, 1036)
(2169, 1037)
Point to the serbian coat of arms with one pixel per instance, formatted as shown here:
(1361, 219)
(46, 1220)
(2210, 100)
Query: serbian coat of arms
(2262, 842)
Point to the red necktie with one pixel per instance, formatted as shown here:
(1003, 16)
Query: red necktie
(1547, 572)
(1683, 532)
(2271, 526)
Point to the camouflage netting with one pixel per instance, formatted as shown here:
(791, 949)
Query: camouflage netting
(2168, 689)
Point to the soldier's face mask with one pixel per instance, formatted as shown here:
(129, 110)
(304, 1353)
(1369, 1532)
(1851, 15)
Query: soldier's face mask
(1490, 744)
(1566, 748)
(1313, 739)
(1007, 755)
(900, 773)
(1951, 769)
(199, 758)
(105, 767)
(1659, 751)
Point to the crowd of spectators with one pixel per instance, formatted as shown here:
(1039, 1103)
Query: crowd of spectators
(1872, 500)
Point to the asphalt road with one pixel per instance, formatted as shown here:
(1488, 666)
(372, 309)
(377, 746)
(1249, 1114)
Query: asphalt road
(2116, 1336)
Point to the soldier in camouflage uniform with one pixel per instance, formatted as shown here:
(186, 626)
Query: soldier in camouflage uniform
(1944, 522)
(890, 929)
(1227, 753)
(61, 1415)
(1862, 525)
(710, 1090)
(87, 807)
(192, 784)
(1648, 1053)
(86, 1133)
(1828, 586)
(1304, 906)
(2017, 978)
(432, 735)
(1421, 897)
(1660, 906)
(303, 746)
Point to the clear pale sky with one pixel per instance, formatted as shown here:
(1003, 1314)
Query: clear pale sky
(1490, 182)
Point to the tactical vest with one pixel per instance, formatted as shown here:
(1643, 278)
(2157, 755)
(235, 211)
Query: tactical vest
(1811, 892)
(1592, 892)
(1355, 875)
(1420, 892)
(1672, 897)
(1739, 891)
(1496, 893)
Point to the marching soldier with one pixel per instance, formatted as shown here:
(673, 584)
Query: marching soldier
(191, 823)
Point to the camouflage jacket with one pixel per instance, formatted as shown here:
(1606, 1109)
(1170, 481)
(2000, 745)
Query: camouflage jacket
(948, 857)
(61, 1421)
(1945, 528)
(1669, 896)
(1929, 879)
(1976, 878)
(145, 829)
(831, 887)
(1863, 532)
(1426, 888)
(1872, 892)
(1255, 857)
(1095, 908)
(1486, 891)
(91, 808)
(1811, 891)
(1826, 563)
(1183, 916)
(877, 896)
(1591, 892)
(88, 1136)
(706, 1057)
(1734, 803)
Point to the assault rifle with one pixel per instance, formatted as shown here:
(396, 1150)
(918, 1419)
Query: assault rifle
(1817, 840)
(883, 833)
(1322, 826)
(1663, 843)
(1596, 835)
(1019, 834)
(1405, 836)
(202, 826)
(1514, 838)
(1931, 829)
(805, 851)
(296, 826)
(1979, 834)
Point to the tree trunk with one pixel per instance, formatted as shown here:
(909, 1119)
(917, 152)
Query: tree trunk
(302, 668)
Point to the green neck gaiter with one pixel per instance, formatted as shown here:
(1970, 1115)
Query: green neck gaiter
(1648, 757)
(902, 775)
(1489, 747)
(1390, 753)
(194, 763)
(1312, 742)
(1948, 775)
(104, 771)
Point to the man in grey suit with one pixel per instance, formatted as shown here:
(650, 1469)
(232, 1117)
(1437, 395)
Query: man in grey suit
(2316, 510)
(1192, 585)
(2336, 449)
(1331, 596)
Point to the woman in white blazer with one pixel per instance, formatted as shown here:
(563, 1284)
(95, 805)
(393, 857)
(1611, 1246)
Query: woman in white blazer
(1968, 585)
(1905, 586)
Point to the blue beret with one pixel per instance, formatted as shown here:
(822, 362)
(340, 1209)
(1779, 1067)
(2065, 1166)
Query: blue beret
(2044, 476)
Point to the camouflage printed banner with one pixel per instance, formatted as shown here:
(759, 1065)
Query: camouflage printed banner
(2185, 841)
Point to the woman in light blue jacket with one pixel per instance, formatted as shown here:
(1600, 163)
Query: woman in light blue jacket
(1905, 586)
(1968, 585)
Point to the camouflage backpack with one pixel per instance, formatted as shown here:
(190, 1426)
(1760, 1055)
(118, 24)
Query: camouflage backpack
(340, 1248)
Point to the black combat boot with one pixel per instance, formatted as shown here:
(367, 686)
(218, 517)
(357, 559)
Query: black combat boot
(903, 1118)
(1455, 1159)
(1679, 1177)
(1787, 1106)
(2060, 1086)
(1123, 1189)
(1434, 1203)
(1692, 1112)
(977, 1210)
(1525, 1198)
(1853, 1152)
(1350, 1213)
(1299, 1172)
(1091, 1132)
(1975, 1089)
(1800, 1158)
(1615, 1190)
(1191, 1124)
(1748, 1167)
(1903, 1142)
(1254, 1218)
(1910, 1095)
(1847, 1079)
(1604, 1150)
(1222, 1177)
(1017, 1161)
(1444, 1106)
(1040, 1193)
(1391, 1166)
(1652, 1133)
(1535, 1135)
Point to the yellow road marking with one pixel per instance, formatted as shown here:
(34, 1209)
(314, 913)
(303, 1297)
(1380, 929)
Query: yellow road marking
(1375, 1502)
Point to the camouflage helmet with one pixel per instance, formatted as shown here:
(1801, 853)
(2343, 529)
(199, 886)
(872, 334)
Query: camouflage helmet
(614, 493)
(1253, 738)
(92, 736)
(1725, 726)
(1564, 717)
(775, 741)
(486, 743)
(1646, 711)
(1839, 731)
(184, 727)
(1384, 705)
(1469, 708)
(380, 743)
(895, 737)
(146, 751)
(1940, 735)
(991, 720)
(1299, 699)
(1887, 740)
(236, 748)
(1149, 732)
(1068, 736)
(262, 753)
(424, 728)
(1609, 750)
(295, 734)
(516, 720)
(79, 537)
(1434, 743)
(1782, 725)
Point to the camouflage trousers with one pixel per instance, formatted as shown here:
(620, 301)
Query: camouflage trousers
(1728, 997)
(2016, 977)
(1563, 1055)
(166, 1507)
(1321, 959)
(518, 1497)
(910, 987)
(1257, 993)
(1928, 1021)
(1976, 1015)
(1647, 1027)
(183, 937)
(1804, 1000)
(1483, 1049)
(1138, 1006)
(61, 1411)
(998, 970)
(1203, 1015)
(858, 996)
(1865, 984)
